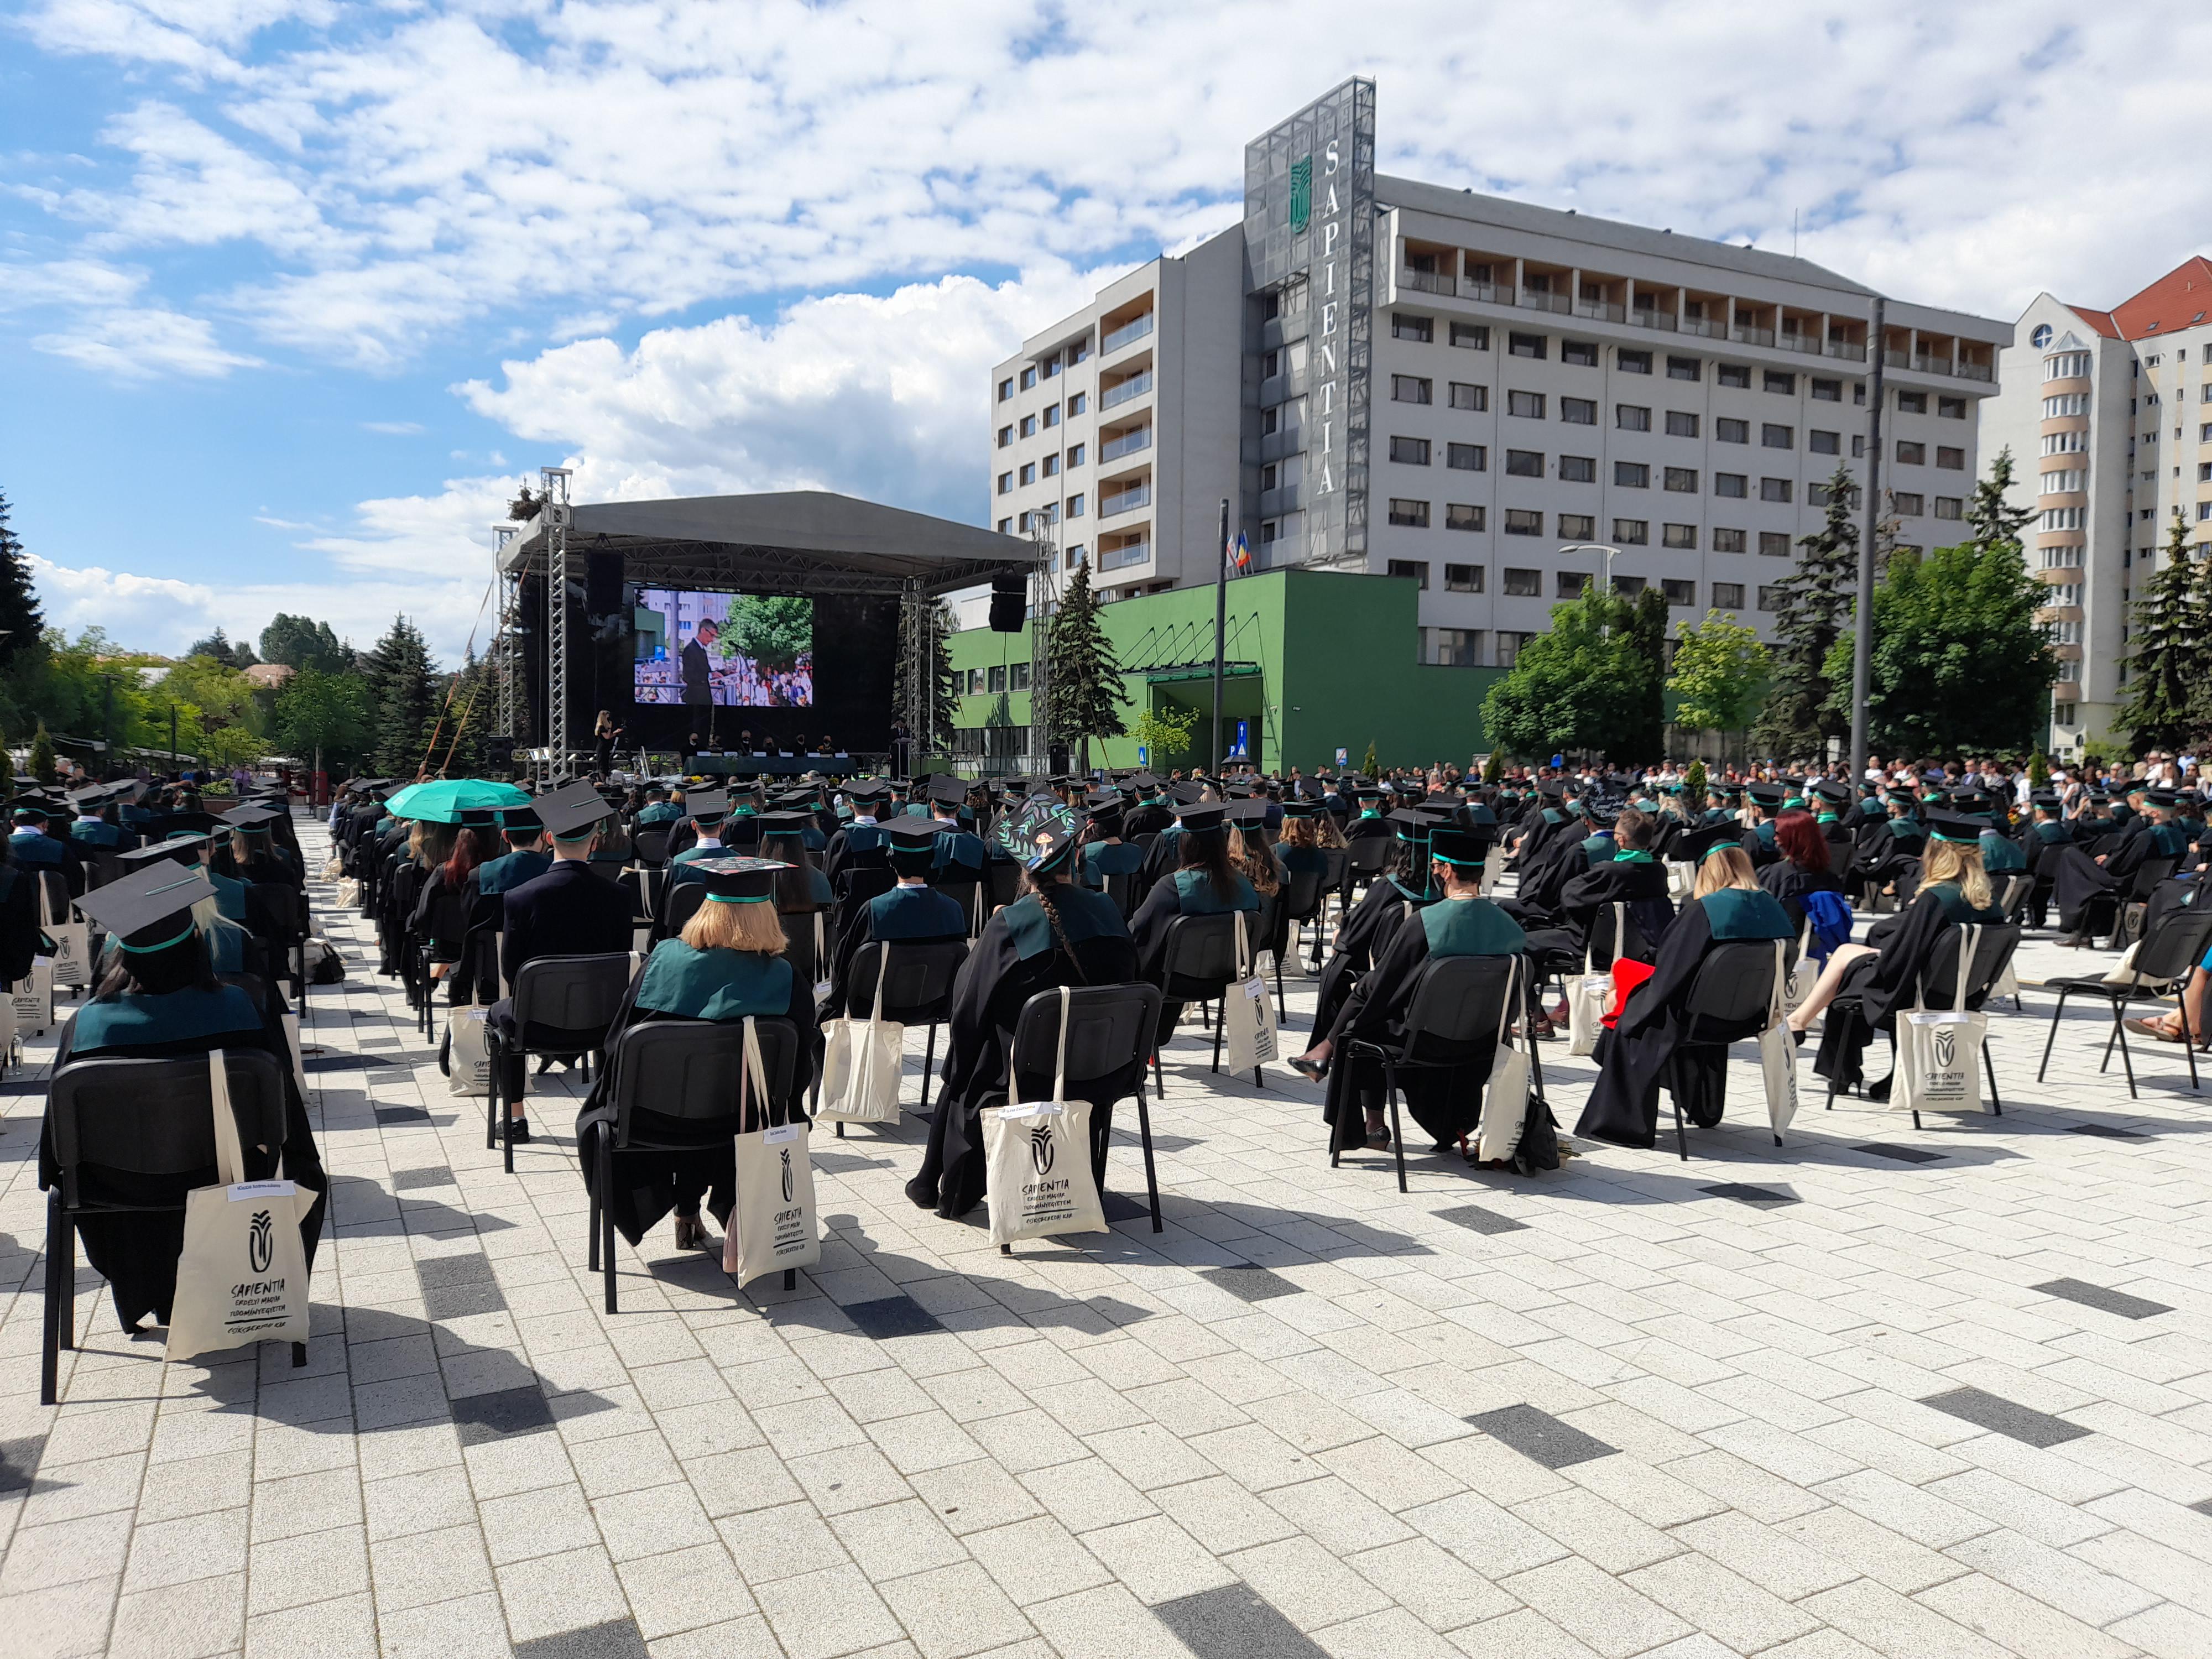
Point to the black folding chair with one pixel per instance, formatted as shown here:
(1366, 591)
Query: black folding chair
(1939, 981)
(917, 991)
(650, 847)
(1110, 1029)
(692, 1072)
(1198, 965)
(1362, 864)
(569, 1002)
(1456, 1008)
(288, 909)
(967, 892)
(144, 1120)
(2172, 946)
(1303, 898)
(678, 904)
(807, 963)
(1729, 999)
(1002, 878)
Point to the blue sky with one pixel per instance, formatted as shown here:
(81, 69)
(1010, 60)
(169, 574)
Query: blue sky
(292, 291)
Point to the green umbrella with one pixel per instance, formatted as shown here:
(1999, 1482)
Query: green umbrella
(442, 800)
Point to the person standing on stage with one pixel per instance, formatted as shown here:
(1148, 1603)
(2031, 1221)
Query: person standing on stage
(605, 736)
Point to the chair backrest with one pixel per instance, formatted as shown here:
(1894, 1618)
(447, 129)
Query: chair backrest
(650, 845)
(1732, 988)
(919, 988)
(607, 870)
(680, 903)
(1200, 954)
(2149, 873)
(571, 993)
(106, 866)
(1455, 1006)
(962, 892)
(1122, 890)
(1938, 980)
(1109, 1037)
(798, 943)
(286, 906)
(1004, 877)
(1339, 861)
(154, 1117)
(693, 1069)
(1301, 895)
(2018, 888)
(863, 882)
(1364, 856)
(2173, 944)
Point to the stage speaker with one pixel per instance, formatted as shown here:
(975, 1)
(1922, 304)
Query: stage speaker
(499, 754)
(1010, 600)
(603, 583)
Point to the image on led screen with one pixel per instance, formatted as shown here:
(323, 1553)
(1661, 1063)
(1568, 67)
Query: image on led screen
(735, 650)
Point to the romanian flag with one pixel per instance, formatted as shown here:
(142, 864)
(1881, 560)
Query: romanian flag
(1241, 555)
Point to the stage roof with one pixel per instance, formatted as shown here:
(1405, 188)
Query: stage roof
(807, 541)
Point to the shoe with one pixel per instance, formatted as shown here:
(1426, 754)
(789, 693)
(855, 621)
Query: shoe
(1379, 1141)
(2151, 1028)
(691, 1233)
(921, 1193)
(518, 1131)
(1308, 1069)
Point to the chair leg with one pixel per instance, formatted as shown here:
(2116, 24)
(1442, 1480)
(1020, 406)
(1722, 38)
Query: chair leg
(506, 1122)
(2120, 1035)
(1145, 1137)
(2188, 1036)
(492, 1108)
(591, 1244)
(607, 1214)
(1217, 1024)
(2056, 1015)
(928, 1066)
(2104, 1064)
(1397, 1130)
(1681, 1129)
(791, 1279)
(50, 1349)
(1990, 1067)
(299, 1355)
(1159, 1078)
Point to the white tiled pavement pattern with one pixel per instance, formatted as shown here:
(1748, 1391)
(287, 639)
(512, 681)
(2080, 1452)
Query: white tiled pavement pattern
(1097, 1451)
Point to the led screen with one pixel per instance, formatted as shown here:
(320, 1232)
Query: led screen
(735, 650)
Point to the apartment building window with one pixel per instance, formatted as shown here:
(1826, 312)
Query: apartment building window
(1569, 584)
(1472, 336)
(1772, 436)
(1628, 588)
(1912, 403)
(1405, 327)
(1734, 374)
(1417, 569)
(1632, 532)
(1079, 352)
(1775, 489)
(1006, 482)
(1029, 379)
(2061, 714)
(1463, 578)
(1581, 352)
(1460, 515)
(1075, 452)
(1772, 598)
(1780, 380)
(1907, 503)
(1075, 506)
(1683, 536)
(1005, 436)
(1681, 423)
(1526, 345)
(1468, 458)
(1735, 486)
(1727, 431)
(1411, 389)
(1078, 402)
(1006, 526)
(1951, 408)
(1577, 526)
(1773, 544)
(1685, 368)
(1632, 362)
(1827, 391)
(1270, 475)
(1523, 584)
(1052, 466)
(1824, 443)
(1911, 452)
(1028, 426)
(1520, 521)
(1414, 514)
(1410, 452)
(1628, 474)
(1819, 495)
(1529, 405)
(1677, 591)
(1525, 463)
(1727, 596)
(2074, 403)
(1682, 480)
(1577, 469)
(1050, 368)
(1029, 473)
(1509, 647)
(1579, 411)
(1052, 414)
(1631, 417)
(1953, 460)
(1455, 647)
(1728, 541)
(1474, 397)
(1858, 445)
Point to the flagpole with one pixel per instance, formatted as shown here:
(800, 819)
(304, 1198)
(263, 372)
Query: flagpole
(1220, 630)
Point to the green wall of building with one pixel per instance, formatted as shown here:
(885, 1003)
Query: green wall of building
(1339, 666)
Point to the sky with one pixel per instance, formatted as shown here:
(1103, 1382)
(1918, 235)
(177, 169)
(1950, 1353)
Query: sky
(293, 292)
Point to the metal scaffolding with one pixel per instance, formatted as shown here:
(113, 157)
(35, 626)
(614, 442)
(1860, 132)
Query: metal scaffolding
(1045, 599)
(557, 515)
(505, 640)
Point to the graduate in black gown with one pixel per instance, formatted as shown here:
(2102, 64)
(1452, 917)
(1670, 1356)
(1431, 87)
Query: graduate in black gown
(2087, 885)
(1632, 876)
(727, 964)
(1058, 933)
(912, 912)
(1404, 888)
(1203, 883)
(1801, 867)
(1646, 1048)
(160, 999)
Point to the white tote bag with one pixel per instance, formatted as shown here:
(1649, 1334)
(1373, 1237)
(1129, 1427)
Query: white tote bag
(468, 1057)
(242, 1277)
(861, 1061)
(1589, 994)
(1939, 1053)
(1778, 1049)
(32, 997)
(1249, 1034)
(1037, 1160)
(773, 1226)
(1505, 1095)
(1493, 867)
(71, 962)
(1805, 976)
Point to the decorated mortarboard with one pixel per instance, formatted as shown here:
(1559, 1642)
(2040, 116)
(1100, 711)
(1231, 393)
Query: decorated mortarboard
(1037, 832)
(1695, 846)
(183, 847)
(707, 805)
(572, 811)
(149, 907)
(1957, 827)
(738, 880)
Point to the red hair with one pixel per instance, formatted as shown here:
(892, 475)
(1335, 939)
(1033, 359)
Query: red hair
(1802, 841)
(468, 853)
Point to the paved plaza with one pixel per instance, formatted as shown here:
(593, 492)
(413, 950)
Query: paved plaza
(1927, 1393)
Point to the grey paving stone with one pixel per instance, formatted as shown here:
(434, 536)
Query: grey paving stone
(407, 1181)
(459, 1301)
(438, 1272)
(1235, 1622)
(2108, 1132)
(1744, 1193)
(892, 1316)
(2100, 1297)
(348, 1063)
(390, 1117)
(2005, 1417)
(2202, 1506)
(617, 1639)
(1476, 1220)
(1901, 1154)
(1248, 1282)
(502, 1415)
(1539, 1435)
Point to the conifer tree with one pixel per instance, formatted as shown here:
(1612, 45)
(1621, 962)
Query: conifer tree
(401, 694)
(19, 600)
(1082, 675)
(2167, 651)
(42, 755)
(1817, 601)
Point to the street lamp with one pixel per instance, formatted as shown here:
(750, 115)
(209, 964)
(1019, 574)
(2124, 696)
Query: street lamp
(1605, 629)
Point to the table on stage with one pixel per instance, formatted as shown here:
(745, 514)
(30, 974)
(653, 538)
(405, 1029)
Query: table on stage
(729, 763)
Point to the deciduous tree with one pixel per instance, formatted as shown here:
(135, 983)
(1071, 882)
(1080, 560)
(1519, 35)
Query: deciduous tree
(1719, 666)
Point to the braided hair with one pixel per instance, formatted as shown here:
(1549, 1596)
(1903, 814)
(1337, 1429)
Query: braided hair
(1041, 884)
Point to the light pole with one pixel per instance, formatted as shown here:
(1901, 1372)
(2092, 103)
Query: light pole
(1605, 581)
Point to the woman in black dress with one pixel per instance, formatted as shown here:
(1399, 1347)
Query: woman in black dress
(605, 736)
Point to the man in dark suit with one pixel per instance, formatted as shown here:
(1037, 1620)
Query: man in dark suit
(566, 912)
(698, 688)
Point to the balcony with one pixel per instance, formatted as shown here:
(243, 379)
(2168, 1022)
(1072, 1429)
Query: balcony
(1128, 332)
(1126, 443)
(1532, 299)
(1428, 281)
(1127, 501)
(1652, 317)
(1845, 350)
(1136, 386)
(1496, 294)
(1751, 336)
(1704, 328)
(2066, 652)
(1982, 372)
(1808, 344)
(1120, 558)
(1600, 311)
(2066, 690)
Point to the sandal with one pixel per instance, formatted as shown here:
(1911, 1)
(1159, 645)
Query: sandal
(2154, 1028)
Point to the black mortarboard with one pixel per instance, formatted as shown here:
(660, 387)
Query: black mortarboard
(737, 880)
(1693, 845)
(93, 795)
(949, 790)
(1038, 832)
(475, 817)
(1411, 826)
(1835, 794)
(866, 789)
(29, 806)
(1957, 827)
(184, 848)
(148, 908)
(2047, 801)
(785, 824)
(250, 820)
(1247, 810)
(913, 844)
(572, 811)
(1768, 795)
(521, 817)
(740, 830)
(708, 806)
(2162, 798)
(1301, 809)
(1458, 847)
(1186, 794)
(1195, 817)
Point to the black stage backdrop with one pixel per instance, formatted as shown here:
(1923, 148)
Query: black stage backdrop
(856, 663)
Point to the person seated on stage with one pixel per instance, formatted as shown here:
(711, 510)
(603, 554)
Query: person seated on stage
(1056, 933)
(31, 847)
(1446, 1102)
(1884, 973)
(159, 999)
(566, 912)
(1648, 1044)
(727, 966)
(1103, 853)
(527, 856)
(859, 843)
(960, 852)
(1801, 867)
(707, 813)
(912, 912)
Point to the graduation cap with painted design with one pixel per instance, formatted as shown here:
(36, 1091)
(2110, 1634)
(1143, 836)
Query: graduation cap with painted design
(1039, 833)
(738, 880)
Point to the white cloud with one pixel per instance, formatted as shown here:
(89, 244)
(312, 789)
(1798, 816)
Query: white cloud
(139, 344)
(393, 429)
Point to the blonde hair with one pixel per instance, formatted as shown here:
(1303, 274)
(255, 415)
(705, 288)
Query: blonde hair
(718, 924)
(431, 844)
(1726, 868)
(1956, 861)
(1249, 858)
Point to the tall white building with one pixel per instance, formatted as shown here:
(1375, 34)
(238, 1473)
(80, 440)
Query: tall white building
(1406, 379)
(2112, 437)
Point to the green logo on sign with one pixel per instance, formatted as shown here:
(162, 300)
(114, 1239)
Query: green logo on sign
(1301, 194)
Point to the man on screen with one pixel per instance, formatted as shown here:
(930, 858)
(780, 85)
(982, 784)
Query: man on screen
(696, 688)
